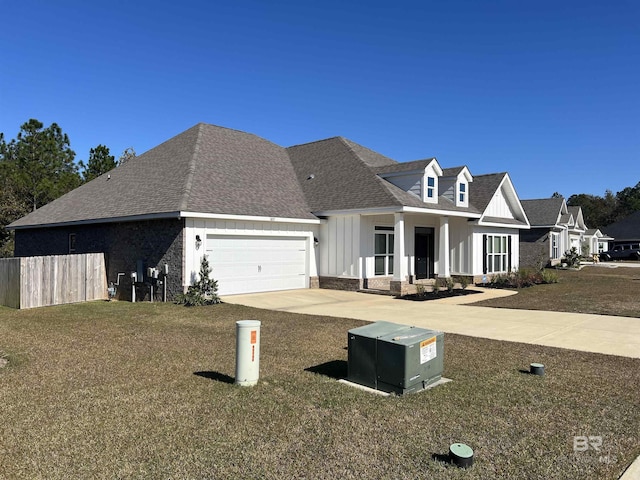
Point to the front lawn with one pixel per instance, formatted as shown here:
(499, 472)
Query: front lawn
(120, 390)
(593, 289)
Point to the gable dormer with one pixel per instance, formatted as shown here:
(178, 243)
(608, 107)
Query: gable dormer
(431, 175)
(420, 178)
(454, 185)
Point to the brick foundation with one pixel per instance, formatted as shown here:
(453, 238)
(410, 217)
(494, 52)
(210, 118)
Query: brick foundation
(340, 283)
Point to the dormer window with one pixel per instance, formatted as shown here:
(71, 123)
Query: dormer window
(463, 191)
(431, 186)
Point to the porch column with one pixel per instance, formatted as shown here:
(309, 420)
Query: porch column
(444, 268)
(400, 269)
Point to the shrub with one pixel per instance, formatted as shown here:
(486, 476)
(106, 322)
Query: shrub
(549, 276)
(420, 289)
(204, 291)
(572, 258)
(445, 282)
(463, 281)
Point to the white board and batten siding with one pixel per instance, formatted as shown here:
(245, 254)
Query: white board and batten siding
(499, 206)
(340, 246)
(251, 256)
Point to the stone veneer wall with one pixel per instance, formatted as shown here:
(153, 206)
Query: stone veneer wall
(338, 283)
(155, 242)
(378, 283)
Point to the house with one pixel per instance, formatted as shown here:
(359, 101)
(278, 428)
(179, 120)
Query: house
(625, 231)
(329, 214)
(576, 230)
(555, 229)
(597, 241)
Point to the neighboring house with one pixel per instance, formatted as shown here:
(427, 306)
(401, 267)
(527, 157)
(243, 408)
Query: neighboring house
(597, 241)
(576, 230)
(330, 213)
(555, 229)
(549, 237)
(625, 231)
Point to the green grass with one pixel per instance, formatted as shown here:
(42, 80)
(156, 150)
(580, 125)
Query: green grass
(600, 290)
(120, 390)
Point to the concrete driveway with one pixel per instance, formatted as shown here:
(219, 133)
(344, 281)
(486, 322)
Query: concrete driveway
(591, 333)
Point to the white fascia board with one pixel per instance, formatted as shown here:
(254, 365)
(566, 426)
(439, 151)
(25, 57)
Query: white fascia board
(443, 213)
(466, 174)
(250, 218)
(480, 223)
(388, 210)
(506, 180)
(131, 218)
(358, 211)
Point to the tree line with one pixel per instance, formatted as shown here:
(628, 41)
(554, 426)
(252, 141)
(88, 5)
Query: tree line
(598, 212)
(39, 166)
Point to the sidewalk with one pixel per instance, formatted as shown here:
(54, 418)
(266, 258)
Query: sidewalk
(591, 333)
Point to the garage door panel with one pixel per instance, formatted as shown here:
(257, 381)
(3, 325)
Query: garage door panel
(257, 264)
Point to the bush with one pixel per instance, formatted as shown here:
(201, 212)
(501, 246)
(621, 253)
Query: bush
(463, 281)
(446, 283)
(204, 291)
(523, 278)
(572, 258)
(549, 276)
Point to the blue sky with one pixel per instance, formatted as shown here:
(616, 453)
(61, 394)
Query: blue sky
(548, 90)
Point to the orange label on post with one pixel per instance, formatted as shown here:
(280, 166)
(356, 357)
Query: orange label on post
(254, 336)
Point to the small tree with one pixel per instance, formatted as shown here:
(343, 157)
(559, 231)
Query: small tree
(100, 161)
(204, 291)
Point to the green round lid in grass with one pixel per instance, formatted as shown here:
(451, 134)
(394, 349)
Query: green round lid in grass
(461, 455)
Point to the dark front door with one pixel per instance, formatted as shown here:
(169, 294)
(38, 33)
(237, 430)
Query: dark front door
(424, 251)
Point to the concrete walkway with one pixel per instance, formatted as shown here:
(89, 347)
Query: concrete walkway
(590, 333)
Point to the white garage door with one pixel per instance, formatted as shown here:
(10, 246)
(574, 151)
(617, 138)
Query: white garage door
(257, 264)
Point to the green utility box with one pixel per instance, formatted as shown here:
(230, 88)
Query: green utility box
(395, 358)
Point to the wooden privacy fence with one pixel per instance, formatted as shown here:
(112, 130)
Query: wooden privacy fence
(28, 282)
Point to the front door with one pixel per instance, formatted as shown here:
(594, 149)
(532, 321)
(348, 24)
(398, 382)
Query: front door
(424, 252)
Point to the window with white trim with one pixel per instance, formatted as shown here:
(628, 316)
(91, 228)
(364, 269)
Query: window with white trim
(431, 187)
(383, 251)
(497, 249)
(555, 251)
(463, 192)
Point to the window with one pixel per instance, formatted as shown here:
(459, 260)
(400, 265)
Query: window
(463, 191)
(497, 256)
(72, 242)
(555, 253)
(431, 187)
(383, 251)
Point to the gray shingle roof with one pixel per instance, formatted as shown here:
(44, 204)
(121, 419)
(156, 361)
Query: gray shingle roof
(404, 166)
(216, 170)
(626, 229)
(482, 189)
(206, 169)
(452, 171)
(334, 176)
(542, 211)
